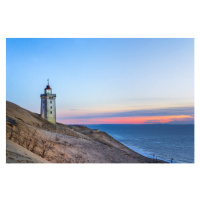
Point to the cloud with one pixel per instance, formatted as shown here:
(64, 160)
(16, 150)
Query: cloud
(176, 119)
(182, 121)
(138, 113)
(152, 122)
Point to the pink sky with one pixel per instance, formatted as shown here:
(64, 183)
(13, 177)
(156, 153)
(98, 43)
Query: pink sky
(130, 120)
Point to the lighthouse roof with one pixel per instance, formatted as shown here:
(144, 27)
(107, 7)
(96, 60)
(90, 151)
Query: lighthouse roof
(48, 87)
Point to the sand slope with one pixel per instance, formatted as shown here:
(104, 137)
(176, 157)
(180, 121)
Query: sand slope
(18, 154)
(59, 143)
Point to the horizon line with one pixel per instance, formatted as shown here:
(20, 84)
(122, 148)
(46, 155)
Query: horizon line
(133, 124)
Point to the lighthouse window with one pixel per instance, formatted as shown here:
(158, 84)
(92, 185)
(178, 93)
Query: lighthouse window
(51, 112)
(51, 107)
(50, 101)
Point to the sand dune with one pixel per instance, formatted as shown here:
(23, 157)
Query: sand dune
(33, 139)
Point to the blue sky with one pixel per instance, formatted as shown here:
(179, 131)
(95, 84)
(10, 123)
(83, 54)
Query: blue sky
(97, 77)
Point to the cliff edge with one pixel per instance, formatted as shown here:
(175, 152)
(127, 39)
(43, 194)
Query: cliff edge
(31, 139)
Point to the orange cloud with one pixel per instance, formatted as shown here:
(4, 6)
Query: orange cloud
(128, 120)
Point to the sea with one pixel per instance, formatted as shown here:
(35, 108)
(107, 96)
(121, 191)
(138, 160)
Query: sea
(171, 143)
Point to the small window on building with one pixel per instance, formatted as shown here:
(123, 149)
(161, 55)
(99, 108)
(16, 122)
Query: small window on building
(50, 101)
(51, 107)
(51, 112)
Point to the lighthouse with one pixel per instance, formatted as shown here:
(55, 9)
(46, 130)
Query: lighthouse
(48, 105)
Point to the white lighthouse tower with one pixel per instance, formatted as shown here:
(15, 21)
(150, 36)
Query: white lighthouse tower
(48, 105)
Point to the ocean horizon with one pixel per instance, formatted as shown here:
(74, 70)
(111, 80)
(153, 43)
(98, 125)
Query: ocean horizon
(162, 141)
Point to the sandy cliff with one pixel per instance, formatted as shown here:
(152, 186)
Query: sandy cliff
(33, 139)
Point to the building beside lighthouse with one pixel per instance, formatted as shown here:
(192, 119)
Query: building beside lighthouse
(48, 105)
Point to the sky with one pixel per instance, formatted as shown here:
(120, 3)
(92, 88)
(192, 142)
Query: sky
(105, 81)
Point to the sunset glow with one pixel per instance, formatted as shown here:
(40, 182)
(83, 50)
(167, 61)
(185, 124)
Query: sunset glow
(105, 80)
(130, 120)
